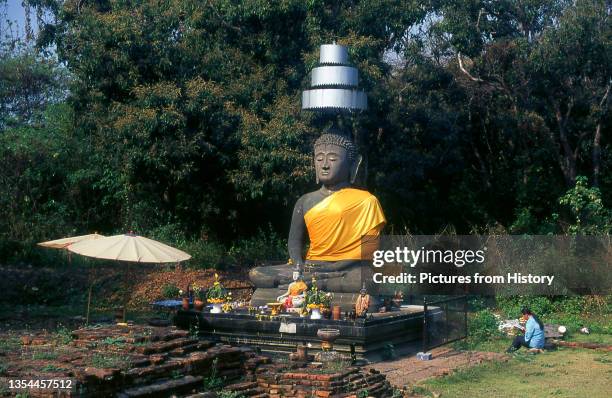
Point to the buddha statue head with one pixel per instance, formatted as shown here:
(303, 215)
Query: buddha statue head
(336, 159)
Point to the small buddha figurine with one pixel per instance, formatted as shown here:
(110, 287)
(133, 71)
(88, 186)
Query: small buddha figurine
(340, 224)
(295, 292)
(363, 302)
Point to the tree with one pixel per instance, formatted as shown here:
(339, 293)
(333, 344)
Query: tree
(192, 107)
(183, 117)
(28, 83)
(536, 76)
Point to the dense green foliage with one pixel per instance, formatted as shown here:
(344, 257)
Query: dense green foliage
(180, 119)
(482, 325)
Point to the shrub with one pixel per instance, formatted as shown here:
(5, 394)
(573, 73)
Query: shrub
(598, 304)
(62, 335)
(573, 305)
(482, 325)
(264, 246)
(510, 307)
(589, 214)
(546, 306)
(213, 381)
(206, 254)
(170, 291)
(477, 303)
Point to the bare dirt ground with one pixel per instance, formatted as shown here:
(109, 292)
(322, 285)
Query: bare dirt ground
(409, 370)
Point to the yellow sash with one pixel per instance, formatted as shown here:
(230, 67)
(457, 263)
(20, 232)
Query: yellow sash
(337, 223)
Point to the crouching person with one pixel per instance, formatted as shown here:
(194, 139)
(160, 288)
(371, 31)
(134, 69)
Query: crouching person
(534, 333)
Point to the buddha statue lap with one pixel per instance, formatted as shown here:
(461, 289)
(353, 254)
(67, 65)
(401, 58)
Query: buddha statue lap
(341, 224)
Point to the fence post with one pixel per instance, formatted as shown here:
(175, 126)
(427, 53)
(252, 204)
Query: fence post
(446, 321)
(425, 343)
(465, 316)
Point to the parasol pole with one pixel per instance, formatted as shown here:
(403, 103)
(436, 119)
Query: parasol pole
(91, 278)
(125, 293)
(88, 303)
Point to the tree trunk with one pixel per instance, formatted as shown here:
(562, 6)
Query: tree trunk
(596, 155)
(568, 156)
(596, 152)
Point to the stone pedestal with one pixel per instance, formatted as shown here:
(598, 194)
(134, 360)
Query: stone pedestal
(283, 333)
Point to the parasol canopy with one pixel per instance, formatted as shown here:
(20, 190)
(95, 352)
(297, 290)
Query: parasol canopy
(129, 247)
(65, 242)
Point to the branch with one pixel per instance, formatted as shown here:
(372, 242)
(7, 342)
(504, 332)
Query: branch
(476, 79)
(605, 97)
(478, 20)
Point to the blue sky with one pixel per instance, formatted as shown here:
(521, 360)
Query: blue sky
(16, 13)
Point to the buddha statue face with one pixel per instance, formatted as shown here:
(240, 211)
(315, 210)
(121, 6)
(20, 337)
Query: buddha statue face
(331, 164)
(336, 160)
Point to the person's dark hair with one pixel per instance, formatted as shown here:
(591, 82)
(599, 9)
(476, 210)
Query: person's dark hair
(527, 311)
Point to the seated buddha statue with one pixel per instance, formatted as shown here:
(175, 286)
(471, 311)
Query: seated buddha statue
(294, 297)
(333, 229)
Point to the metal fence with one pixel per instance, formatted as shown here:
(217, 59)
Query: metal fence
(444, 321)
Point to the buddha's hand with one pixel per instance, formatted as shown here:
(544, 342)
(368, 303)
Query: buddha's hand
(332, 266)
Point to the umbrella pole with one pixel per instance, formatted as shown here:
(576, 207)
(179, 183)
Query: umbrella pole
(88, 304)
(125, 293)
(91, 282)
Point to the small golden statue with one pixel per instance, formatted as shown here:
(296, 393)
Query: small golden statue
(363, 302)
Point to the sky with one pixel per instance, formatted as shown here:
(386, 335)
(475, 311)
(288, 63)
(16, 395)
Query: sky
(16, 13)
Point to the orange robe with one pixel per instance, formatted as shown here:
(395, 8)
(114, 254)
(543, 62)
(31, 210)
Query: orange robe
(337, 224)
(296, 288)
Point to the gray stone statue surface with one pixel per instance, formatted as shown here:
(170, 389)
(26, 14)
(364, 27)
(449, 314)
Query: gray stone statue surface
(328, 227)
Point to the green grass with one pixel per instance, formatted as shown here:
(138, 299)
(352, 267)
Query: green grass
(118, 341)
(9, 344)
(598, 338)
(51, 368)
(230, 394)
(45, 355)
(62, 335)
(563, 373)
(105, 361)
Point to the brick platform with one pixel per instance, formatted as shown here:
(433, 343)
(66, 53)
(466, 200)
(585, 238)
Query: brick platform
(146, 361)
(312, 382)
(135, 361)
